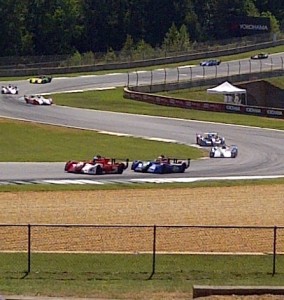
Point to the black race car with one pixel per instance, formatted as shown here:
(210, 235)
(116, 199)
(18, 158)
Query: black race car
(260, 56)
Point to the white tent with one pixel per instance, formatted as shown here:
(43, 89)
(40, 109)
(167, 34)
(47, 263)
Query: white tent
(231, 92)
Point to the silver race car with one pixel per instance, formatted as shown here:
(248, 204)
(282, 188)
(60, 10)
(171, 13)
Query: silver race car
(10, 89)
(224, 151)
(209, 139)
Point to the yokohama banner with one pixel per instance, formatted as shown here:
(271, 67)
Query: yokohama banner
(241, 26)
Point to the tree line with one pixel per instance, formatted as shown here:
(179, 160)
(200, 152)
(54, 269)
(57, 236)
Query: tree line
(49, 27)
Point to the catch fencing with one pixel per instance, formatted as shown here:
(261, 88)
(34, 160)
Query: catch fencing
(167, 79)
(21, 245)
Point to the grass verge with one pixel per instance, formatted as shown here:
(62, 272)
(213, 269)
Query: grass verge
(127, 275)
(113, 100)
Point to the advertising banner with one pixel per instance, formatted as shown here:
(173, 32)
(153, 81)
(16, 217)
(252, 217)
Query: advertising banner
(242, 26)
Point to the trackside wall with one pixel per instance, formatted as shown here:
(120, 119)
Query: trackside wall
(145, 93)
(206, 106)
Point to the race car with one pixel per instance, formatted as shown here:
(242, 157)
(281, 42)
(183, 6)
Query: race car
(97, 166)
(224, 151)
(10, 89)
(41, 79)
(210, 62)
(161, 165)
(38, 100)
(209, 139)
(260, 56)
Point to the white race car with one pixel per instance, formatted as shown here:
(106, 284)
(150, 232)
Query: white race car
(224, 151)
(10, 89)
(38, 100)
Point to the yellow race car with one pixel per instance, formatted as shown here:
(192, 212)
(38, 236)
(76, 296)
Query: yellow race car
(41, 79)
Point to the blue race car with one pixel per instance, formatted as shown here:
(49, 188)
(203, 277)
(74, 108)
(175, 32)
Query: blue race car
(210, 62)
(161, 165)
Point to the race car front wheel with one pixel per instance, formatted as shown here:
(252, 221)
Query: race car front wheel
(99, 170)
(120, 168)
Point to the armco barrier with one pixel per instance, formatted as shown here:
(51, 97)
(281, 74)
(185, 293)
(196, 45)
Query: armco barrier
(13, 72)
(206, 106)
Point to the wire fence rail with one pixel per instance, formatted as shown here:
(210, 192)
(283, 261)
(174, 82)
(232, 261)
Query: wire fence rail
(22, 245)
(243, 69)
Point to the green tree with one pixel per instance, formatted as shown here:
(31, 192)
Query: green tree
(54, 25)
(171, 40)
(184, 39)
(143, 50)
(12, 30)
(274, 24)
(176, 40)
(128, 47)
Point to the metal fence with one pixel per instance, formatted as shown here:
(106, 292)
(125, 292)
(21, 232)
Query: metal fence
(22, 245)
(238, 71)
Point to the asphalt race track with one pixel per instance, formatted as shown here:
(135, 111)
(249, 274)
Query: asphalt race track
(260, 150)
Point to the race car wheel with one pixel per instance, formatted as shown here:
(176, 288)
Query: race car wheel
(67, 165)
(163, 169)
(183, 167)
(99, 170)
(211, 154)
(120, 169)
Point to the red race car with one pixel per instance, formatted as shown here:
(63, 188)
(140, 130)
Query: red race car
(98, 166)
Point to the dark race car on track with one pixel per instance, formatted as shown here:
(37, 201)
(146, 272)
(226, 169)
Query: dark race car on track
(38, 100)
(224, 151)
(161, 165)
(210, 62)
(41, 79)
(209, 139)
(10, 89)
(97, 166)
(260, 56)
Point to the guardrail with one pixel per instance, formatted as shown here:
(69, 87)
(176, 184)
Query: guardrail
(23, 68)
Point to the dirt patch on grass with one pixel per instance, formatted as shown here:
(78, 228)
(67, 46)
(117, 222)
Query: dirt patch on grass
(247, 205)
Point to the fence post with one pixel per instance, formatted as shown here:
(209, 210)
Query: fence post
(154, 252)
(274, 250)
(29, 248)
(137, 81)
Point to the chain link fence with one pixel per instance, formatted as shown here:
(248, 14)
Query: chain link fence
(59, 249)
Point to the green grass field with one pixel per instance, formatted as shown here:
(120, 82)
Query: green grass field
(127, 276)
